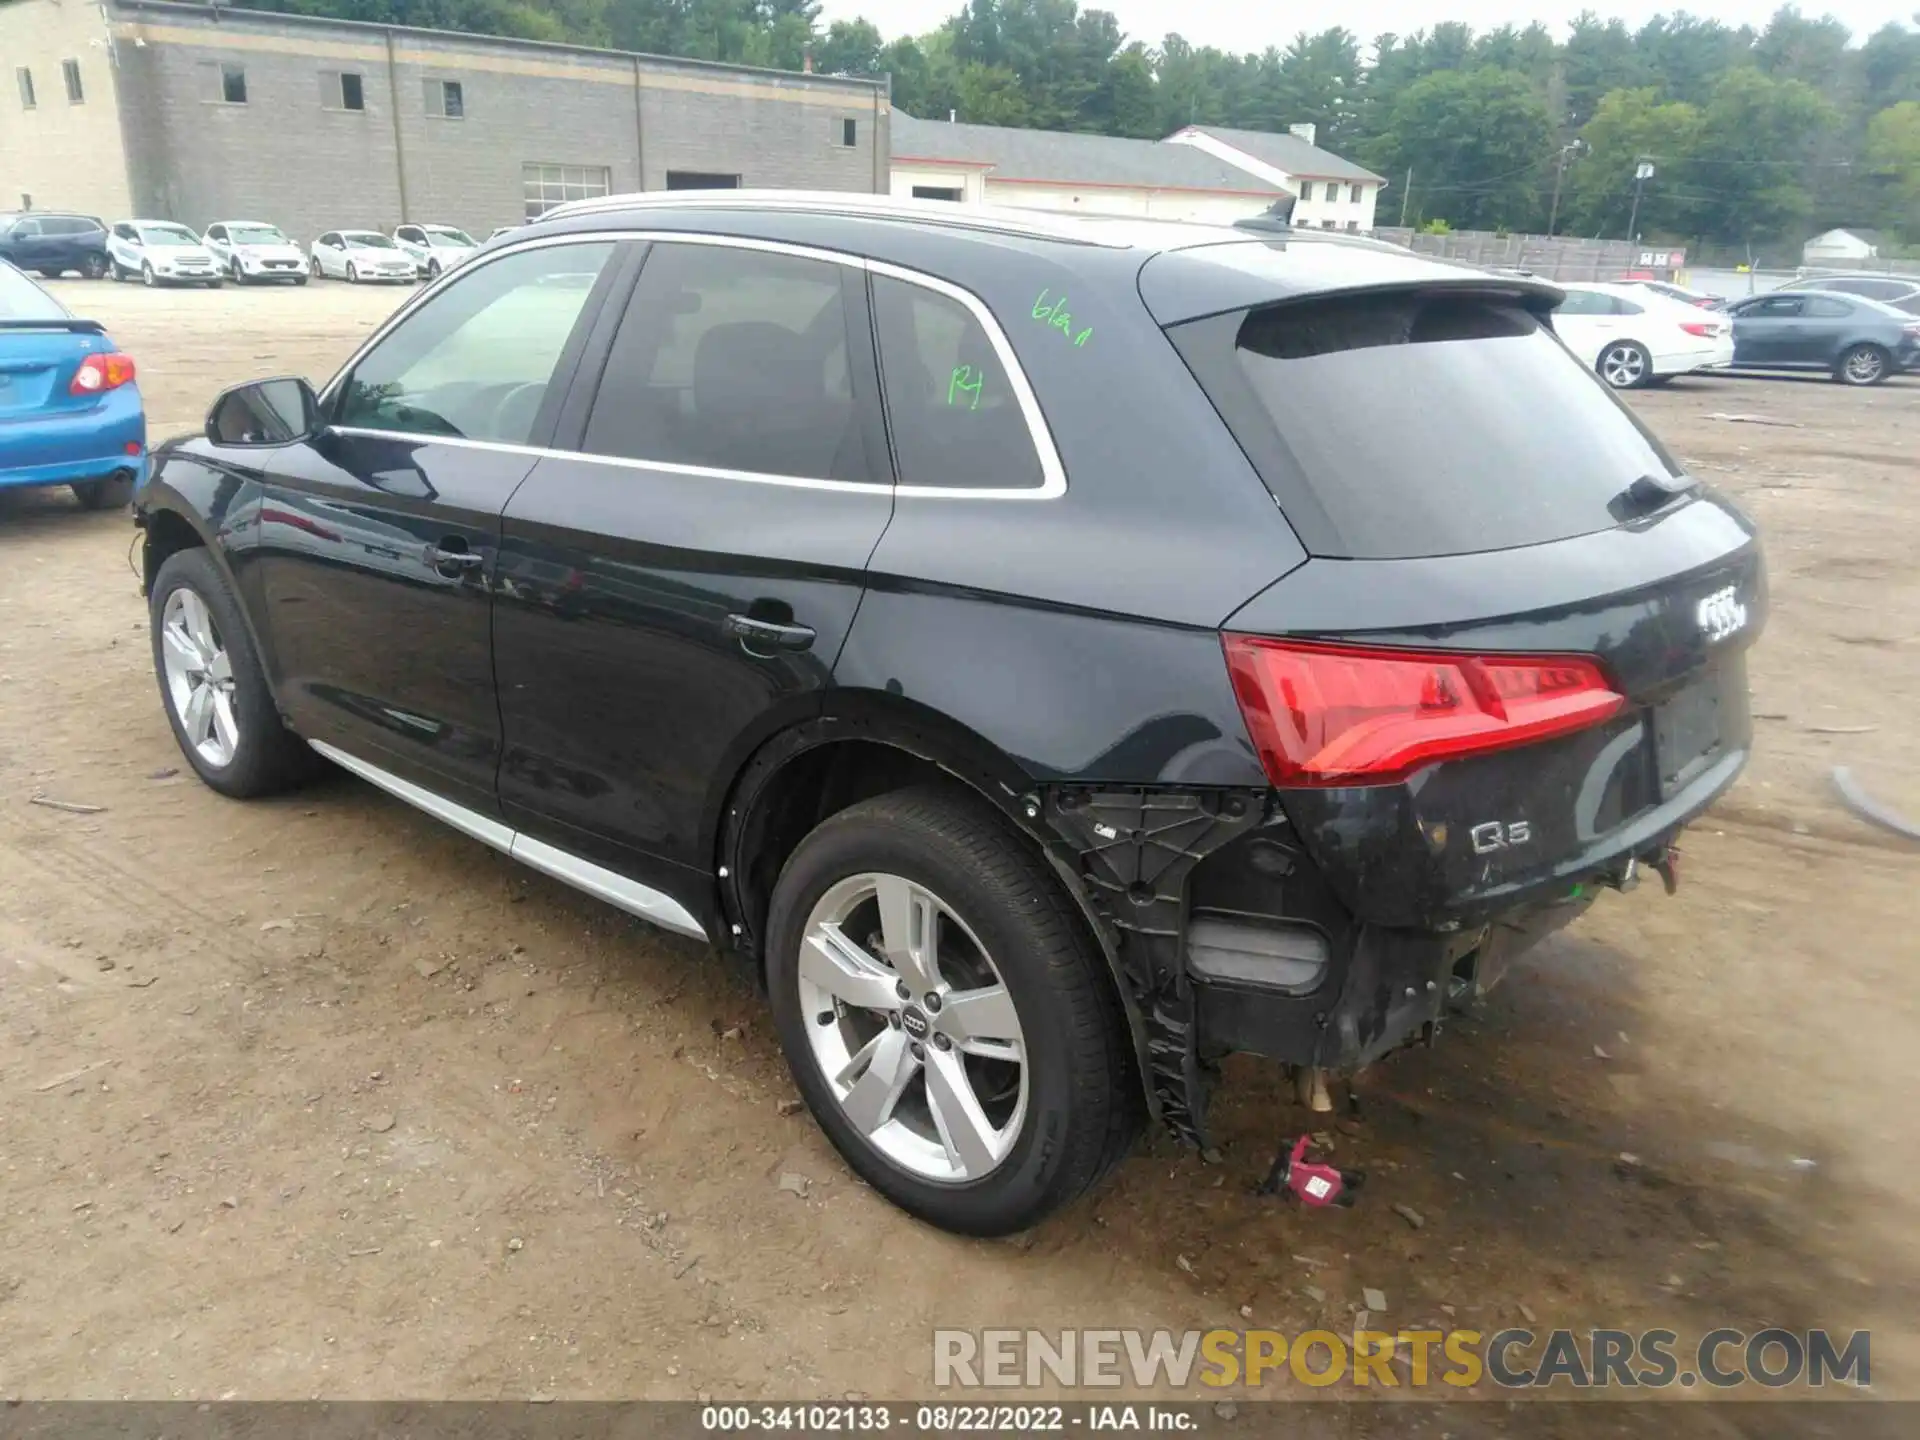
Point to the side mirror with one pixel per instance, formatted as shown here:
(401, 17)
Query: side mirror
(265, 413)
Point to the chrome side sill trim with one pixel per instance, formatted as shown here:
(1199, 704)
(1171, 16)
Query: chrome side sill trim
(615, 889)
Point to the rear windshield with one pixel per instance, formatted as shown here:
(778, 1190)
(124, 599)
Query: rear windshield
(1409, 424)
(21, 299)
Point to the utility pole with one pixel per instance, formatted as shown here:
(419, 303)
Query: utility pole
(1572, 147)
(1406, 194)
(1642, 172)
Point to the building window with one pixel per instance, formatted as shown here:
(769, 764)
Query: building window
(233, 84)
(1329, 224)
(701, 180)
(936, 192)
(846, 132)
(446, 99)
(546, 186)
(1359, 192)
(1306, 189)
(70, 72)
(342, 90)
(25, 76)
(1353, 224)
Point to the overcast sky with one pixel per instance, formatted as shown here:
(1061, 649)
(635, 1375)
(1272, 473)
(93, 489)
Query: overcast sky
(1241, 25)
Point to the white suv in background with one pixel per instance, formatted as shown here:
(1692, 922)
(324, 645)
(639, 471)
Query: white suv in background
(250, 250)
(435, 247)
(1632, 336)
(160, 252)
(358, 255)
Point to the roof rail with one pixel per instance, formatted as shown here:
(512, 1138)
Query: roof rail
(998, 219)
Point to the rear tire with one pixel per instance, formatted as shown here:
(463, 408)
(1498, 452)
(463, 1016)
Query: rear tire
(1625, 365)
(998, 904)
(115, 492)
(265, 757)
(1863, 365)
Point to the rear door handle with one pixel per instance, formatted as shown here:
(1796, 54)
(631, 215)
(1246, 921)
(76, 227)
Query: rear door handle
(761, 635)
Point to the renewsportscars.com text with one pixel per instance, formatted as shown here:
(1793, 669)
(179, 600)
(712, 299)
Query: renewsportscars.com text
(1512, 1359)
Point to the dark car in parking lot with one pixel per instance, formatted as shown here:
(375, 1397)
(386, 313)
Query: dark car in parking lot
(1051, 654)
(51, 244)
(1856, 340)
(1902, 292)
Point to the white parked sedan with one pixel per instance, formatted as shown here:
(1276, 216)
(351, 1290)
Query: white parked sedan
(358, 255)
(1633, 337)
(435, 247)
(159, 252)
(249, 250)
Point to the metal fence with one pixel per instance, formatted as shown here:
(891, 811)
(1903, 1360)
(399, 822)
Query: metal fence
(1557, 257)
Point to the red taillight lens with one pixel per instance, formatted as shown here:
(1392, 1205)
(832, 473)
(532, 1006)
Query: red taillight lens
(1345, 715)
(1705, 328)
(101, 372)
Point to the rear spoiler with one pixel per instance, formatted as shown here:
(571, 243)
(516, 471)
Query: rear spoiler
(57, 322)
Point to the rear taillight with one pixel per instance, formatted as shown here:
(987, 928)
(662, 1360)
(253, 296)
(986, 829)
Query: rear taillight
(1346, 715)
(101, 372)
(1705, 328)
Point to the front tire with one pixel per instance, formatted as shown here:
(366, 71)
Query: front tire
(1863, 365)
(95, 267)
(1626, 365)
(213, 687)
(313, 268)
(147, 277)
(353, 273)
(946, 1015)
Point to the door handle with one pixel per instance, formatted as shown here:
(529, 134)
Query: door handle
(444, 560)
(768, 634)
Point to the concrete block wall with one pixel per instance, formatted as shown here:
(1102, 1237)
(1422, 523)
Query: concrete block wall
(294, 156)
(66, 156)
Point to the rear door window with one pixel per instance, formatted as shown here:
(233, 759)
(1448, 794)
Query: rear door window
(1420, 423)
(956, 422)
(1827, 307)
(737, 361)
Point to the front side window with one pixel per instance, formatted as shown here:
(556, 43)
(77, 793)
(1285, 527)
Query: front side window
(736, 360)
(955, 419)
(1772, 307)
(475, 361)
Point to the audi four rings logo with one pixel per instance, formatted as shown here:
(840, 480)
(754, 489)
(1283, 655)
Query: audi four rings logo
(1721, 614)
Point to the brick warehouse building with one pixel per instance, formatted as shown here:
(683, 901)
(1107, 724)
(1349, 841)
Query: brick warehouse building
(197, 113)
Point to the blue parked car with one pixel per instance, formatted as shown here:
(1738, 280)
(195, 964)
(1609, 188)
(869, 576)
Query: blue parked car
(70, 412)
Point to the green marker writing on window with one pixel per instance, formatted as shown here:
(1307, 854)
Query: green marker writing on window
(965, 382)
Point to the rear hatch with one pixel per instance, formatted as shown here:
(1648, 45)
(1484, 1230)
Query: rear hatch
(1515, 660)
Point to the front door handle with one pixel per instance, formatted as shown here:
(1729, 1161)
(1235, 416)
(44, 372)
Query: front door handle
(757, 636)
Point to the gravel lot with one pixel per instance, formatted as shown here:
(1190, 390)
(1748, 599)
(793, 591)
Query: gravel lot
(315, 1097)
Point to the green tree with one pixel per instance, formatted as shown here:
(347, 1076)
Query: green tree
(1631, 125)
(850, 47)
(1757, 135)
(1477, 141)
(1893, 164)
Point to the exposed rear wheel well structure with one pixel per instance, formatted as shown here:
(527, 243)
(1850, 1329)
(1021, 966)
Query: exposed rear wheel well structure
(167, 534)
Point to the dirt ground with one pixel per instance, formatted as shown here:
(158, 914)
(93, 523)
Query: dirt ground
(318, 1098)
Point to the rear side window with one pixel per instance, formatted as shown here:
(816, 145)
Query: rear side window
(21, 299)
(734, 360)
(955, 419)
(1827, 307)
(1585, 302)
(1411, 424)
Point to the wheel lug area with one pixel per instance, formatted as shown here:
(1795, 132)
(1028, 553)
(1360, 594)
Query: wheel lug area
(918, 1050)
(932, 1003)
(893, 1018)
(940, 1041)
(903, 990)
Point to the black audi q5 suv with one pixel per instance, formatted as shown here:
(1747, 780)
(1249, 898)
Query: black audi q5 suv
(1054, 654)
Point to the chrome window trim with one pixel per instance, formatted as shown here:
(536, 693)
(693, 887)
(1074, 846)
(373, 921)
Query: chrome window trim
(1053, 474)
(643, 901)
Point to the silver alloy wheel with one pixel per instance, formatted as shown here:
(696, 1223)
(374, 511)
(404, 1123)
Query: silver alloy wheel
(1864, 365)
(147, 276)
(913, 1029)
(1623, 366)
(199, 677)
